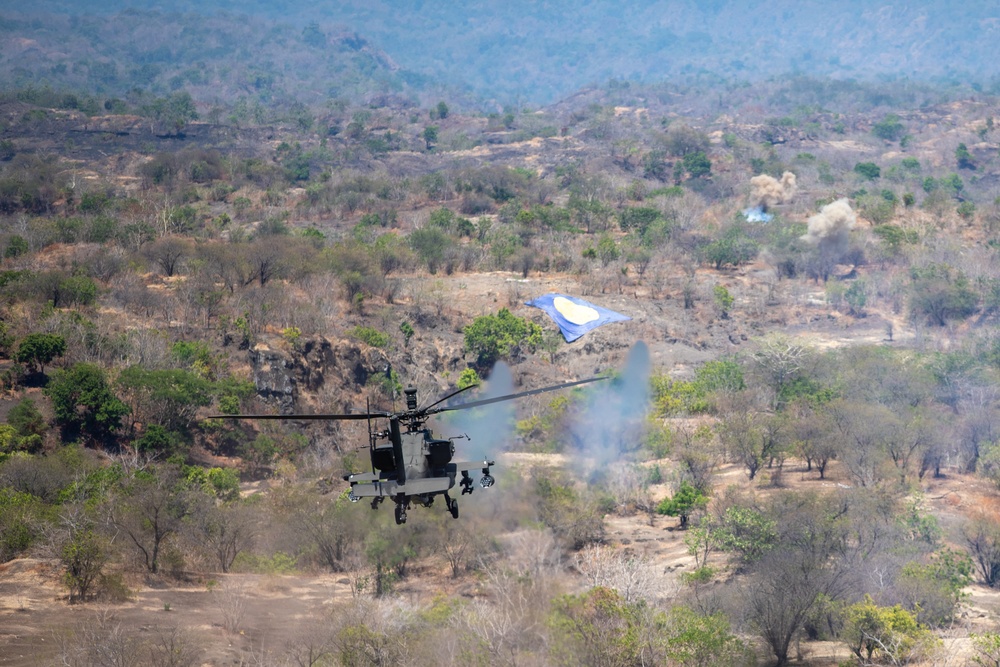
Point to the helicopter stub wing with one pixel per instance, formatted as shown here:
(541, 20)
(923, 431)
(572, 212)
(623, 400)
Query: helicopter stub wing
(466, 466)
(412, 488)
(361, 477)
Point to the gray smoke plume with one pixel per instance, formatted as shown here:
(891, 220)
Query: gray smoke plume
(491, 427)
(831, 227)
(768, 191)
(612, 419)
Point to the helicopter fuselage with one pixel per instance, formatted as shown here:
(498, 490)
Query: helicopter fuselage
(421, 455)
(408, 464)
(413, 466)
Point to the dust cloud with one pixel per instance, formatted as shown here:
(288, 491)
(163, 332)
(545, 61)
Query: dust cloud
(490, 429)
(611, 420)
(831, 227)
(605, 422)
(769, 191)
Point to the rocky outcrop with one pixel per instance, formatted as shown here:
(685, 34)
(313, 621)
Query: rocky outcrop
(282, 372)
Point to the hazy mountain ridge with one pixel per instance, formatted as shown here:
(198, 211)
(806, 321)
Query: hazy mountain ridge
(537, 53)
(219, 57)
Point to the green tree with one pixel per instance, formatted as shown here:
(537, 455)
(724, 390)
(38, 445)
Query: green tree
(157, 440)
(468, 378)
(84, 403)
(941, 294)
(84, 555)
(723, 300)
(38, 349)
(63, 291)
(964, 158)
(732, 247)
(258, 453)
(966, 210)
(698, 640)
(430, 136)
(370, 336)
(746, 531)
(28, 423)
(19, 512)
(685, 501)
(638, 218)
(167, 397)
(17, 245)
(597, 628)
(430, 244)
(406, 329)
(934, 588)
(987, 648)
(856, 297)
(867, 170)
(697, 164)
(174, 112)
(889, 128)
(442, 110)
(889, 634)
(313, 36)
(442, 218)
(607, 249)
(501, 336)
(952, 184)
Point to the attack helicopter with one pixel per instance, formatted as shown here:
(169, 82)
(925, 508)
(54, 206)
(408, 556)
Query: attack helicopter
(409, 465)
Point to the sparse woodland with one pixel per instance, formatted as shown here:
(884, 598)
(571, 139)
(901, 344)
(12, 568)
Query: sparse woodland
(810, 472)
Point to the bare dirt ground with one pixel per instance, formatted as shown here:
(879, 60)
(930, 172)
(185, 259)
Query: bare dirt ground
(233, 617)
(34, 612)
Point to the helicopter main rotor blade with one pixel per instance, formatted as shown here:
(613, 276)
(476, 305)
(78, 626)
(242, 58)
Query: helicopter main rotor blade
(508, 397)
(358, 416)
(424, 409)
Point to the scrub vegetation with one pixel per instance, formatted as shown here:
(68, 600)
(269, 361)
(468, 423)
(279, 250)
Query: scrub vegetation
(809, 470)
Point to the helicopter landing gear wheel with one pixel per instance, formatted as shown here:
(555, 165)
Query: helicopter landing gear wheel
(400, 514)
(452, 506)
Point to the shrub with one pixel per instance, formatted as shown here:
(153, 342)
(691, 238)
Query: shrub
(38, 349)
(867, 170)
(685, 501)
(370, 336)
(941, 294)
(500, 336)
(889, 128)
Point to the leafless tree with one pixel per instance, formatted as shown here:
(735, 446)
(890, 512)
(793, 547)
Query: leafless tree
(864, 429)
(371, 632)
(784, 587)
(148, 512)
(632, 576)
(982, 536)
(225, 531)
(168, 252)
(750, 435)
(514, 619)
(232, 597)
(172, 647)
(101, 641)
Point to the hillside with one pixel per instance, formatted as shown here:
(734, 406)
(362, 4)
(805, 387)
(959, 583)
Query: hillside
(809, 265)
(525, 53)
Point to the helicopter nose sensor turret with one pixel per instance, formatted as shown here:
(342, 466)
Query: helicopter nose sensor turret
(411, 398)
